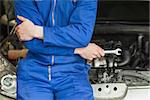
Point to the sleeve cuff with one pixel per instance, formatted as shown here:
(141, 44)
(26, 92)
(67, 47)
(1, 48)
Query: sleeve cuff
(46, 35)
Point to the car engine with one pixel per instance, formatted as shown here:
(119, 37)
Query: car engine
(131, 67)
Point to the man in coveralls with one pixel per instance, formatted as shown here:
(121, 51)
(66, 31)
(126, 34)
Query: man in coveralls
(57, 34)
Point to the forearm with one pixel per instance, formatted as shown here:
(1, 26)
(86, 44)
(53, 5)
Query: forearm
(38, 32)
(40, 35)
(28, 10)
(77, 33)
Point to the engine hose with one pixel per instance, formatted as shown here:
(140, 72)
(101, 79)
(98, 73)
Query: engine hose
(126, 58)
(135, 74)
(136, 62)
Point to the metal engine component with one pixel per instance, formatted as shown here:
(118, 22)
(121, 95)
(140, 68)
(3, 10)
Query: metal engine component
(8, 84)
(100, 63)
(7, 77)
(110, 91)
(6, 66)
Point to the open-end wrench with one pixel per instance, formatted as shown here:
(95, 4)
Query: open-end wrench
(116, 51)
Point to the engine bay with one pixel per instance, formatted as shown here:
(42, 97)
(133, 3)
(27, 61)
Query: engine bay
(131, 67)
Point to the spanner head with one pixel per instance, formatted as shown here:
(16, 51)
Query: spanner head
(118, 51)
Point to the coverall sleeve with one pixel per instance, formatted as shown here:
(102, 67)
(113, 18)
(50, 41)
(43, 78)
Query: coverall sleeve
(79, 31)
(28, 9)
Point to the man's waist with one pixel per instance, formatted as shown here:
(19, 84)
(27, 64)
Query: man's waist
(55, 59)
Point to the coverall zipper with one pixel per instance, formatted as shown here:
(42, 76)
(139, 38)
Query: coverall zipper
(49, 72)
(53, 19)
(53, 23)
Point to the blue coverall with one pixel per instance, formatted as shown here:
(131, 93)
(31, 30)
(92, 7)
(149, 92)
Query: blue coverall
(51, 70)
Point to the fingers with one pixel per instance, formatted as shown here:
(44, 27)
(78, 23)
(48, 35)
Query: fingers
(94, 55)
(18, 32)
(97, 55)
(95, 51)
(18, 35)
(101, 52)
(22, 18)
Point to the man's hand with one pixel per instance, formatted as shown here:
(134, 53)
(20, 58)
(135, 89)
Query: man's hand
(90, 52)
(25, 31)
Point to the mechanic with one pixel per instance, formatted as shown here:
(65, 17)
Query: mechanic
(57, 34)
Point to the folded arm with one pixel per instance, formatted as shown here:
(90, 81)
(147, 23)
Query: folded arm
(76, 35)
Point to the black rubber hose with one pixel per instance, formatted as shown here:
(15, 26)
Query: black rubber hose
(135, 74)
(126, 58)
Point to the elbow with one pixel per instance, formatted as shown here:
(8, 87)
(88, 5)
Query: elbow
(30, 46)
(88, 32)
(86, 40)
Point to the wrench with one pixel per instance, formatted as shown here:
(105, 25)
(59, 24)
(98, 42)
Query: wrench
(116, 51)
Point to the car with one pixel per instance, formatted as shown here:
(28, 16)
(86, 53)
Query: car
(122, 30)
(122, 25)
